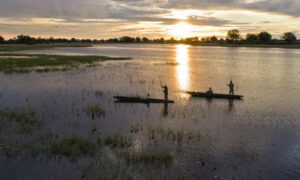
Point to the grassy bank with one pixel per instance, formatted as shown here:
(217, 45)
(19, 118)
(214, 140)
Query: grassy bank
(22, 47)
(22, 63)
(288, 46)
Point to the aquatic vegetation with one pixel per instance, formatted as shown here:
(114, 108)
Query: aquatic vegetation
(163, 158)
(173, 63)
(173, 135)
(142, 81)
(95, 111)
(74, 147)
(99, 93)
(116, 141)
(22, 47)
(26, 120)
(6, 147)
(168, 63)
(136, 128)
(18, 63)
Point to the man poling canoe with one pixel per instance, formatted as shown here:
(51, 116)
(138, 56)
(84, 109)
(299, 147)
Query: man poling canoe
(231, 88)
(210, 91)
(166, 92)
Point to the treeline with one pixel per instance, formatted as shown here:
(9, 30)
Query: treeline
(233, 37)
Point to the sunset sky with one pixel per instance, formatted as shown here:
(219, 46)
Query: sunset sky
(150, 18)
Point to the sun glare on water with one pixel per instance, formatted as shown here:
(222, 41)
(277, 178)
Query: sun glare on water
(183, 74)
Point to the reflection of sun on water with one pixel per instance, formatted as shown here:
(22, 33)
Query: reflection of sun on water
(182, 57)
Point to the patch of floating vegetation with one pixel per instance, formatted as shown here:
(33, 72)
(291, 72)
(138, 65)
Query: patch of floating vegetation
(95, 111)
(116, 141)
(17, 132)
(136, 128)
(168, 63)
(74, 147)
(163, 158)
(6, 147)
(26, 120)
(21, 63)
(99, 93)
(180, 135)
(23, 47)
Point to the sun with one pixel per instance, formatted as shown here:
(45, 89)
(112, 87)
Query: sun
(181, 30)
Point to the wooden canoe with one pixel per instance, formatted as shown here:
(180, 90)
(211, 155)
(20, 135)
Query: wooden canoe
(210, 96)
(140, 100)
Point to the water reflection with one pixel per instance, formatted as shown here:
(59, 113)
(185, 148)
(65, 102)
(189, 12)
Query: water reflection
(183, 76)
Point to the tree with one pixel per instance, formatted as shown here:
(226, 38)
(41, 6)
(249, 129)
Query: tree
(25, 39)
(145, 39)
(162, 40)
(251, 37)
(1, 39)
(289, 37)
(213, 39)
(233, 35)
(137, 39)
(127, 39)
(172, 40)
(264, 36)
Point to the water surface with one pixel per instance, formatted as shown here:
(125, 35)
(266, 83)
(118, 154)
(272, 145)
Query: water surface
(258, 137)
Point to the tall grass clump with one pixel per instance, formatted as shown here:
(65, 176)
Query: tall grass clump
(74, 147)
(26, 120)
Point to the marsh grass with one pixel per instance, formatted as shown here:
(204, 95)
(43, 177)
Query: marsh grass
(172, 135)
(115, 141)
(99, 93)
(22, 47)
(168, 63)
(163, 158)
(6, 147)
(74, 147)
(95, 111)
(20, 63)
(26, 120)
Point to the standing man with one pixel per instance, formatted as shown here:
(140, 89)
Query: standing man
(231, 88)
(165, 90)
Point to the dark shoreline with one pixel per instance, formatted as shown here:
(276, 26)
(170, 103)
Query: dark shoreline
(23, 47)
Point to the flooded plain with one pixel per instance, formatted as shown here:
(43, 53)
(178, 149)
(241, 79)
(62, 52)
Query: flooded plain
(255, 138)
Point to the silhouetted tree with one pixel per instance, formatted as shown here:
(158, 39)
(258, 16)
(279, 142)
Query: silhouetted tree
(213, 39)
(221, 41)
(233, 35)
(209, 39)
(161, 40)
(73, 40)
(264, 36)
(145, 39)
(289, 37)
(127, 39)
(251, 37)
(1, 39)
(172, 40)
(137, 39)
(24, 39)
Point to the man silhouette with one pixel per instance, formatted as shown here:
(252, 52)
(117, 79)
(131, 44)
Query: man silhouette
(231, 88)
(165, 90)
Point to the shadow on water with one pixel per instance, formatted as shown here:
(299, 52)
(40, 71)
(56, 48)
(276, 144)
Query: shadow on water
(230, 105)
(165, 111)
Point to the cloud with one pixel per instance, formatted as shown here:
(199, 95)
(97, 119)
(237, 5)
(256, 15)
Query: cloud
(286, 7)
(54, 8)
(207, 21)
(112, 16)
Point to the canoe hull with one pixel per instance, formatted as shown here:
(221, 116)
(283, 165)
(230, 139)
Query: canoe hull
(218, 96)
(125, 99)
